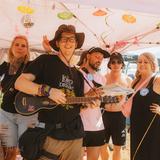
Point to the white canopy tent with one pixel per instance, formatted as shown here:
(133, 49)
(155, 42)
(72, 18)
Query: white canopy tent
(107, 27)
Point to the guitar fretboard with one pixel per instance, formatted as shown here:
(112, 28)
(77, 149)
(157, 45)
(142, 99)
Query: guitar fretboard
(79, 100)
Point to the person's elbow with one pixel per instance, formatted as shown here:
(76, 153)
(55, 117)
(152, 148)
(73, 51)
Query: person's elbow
(19, 82)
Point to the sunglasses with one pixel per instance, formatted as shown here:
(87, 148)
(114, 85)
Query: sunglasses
(116, 62)
(66, 39)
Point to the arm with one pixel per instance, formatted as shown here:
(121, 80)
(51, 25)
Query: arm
(156, 85)
(24, 83)
(129, 81)
(46, 44)
(155, 108)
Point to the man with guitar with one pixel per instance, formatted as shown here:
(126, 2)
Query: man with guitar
(53, 76)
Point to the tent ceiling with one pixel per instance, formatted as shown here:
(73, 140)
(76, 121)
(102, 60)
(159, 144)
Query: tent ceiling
(146, 6)
(100, 30)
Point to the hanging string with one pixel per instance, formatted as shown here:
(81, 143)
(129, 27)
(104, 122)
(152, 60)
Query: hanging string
(141, 36)
(80, 21)
(140, 143)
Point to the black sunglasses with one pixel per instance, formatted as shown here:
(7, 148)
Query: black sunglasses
(116, 62)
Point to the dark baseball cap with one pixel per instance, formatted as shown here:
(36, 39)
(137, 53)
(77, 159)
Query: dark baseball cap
(98, 49)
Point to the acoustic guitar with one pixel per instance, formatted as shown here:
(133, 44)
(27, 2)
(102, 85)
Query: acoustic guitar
(26, 104)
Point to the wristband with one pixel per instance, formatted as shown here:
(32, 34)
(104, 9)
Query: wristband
(44, 90)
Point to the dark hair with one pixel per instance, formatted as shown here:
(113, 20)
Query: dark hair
(116, 56)
(98, 49)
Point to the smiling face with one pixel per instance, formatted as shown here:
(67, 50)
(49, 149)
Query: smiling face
(116, 65)
(67, 43)
(144, 66)
(94, 60)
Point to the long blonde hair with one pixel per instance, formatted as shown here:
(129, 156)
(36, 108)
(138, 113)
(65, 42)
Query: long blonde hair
(11, 55)
(152, 60)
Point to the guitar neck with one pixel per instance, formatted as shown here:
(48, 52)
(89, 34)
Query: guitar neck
(84, 100)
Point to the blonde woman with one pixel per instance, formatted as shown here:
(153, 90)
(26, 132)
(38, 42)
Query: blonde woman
(145, 127)
(12, 125)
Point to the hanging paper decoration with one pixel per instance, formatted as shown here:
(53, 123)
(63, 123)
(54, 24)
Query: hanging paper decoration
(27, 21)
(129, 18)
(120, 44)
(25, 9)
(99, 12)
(158, 26)
(65, 15)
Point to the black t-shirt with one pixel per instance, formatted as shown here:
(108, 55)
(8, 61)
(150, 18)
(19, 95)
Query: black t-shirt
(50, 70)
(7, 85)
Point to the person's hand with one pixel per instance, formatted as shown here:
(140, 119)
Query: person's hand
(57, 96)
(155, 108)
(95, 92)
(46, 44)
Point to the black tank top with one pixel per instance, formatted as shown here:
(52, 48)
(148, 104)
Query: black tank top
(141, 117)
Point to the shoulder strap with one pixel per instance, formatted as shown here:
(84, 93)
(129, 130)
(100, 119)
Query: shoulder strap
(141, 85)
(85, 79)
(93, 81)
(151, 82)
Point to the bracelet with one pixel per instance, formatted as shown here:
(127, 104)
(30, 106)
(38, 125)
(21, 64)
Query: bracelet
(43, 90)
(39, 90)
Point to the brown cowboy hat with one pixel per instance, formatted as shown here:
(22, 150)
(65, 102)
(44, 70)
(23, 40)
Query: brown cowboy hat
(69, 29)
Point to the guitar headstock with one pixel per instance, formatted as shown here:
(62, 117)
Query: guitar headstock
(112, 99)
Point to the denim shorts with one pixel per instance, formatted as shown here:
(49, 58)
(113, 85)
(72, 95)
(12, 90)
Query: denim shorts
(12, 125)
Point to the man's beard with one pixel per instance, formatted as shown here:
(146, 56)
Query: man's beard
(94, 67)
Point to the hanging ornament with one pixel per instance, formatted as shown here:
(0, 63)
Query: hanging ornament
(158, 26)
(99, 12)
(53, 6)
(128, 18)
(27, 21)
(25, 9)
(65, 15)
(135, 40)
(120, 44)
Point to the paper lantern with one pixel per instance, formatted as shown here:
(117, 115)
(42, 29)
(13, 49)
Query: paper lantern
(158, 26)
(27, 21)
(65, 15)
(129, 18)
(99, 12)
(25, 9)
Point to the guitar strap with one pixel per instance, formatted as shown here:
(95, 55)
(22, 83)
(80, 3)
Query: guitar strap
(86, 80)
(93, 81)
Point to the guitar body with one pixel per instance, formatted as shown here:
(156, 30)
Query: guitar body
(26, 104)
